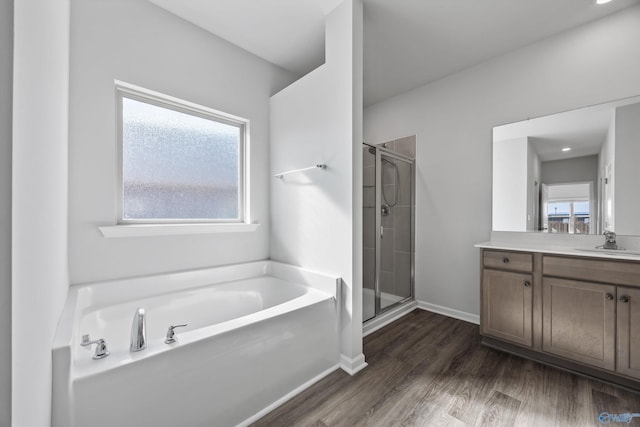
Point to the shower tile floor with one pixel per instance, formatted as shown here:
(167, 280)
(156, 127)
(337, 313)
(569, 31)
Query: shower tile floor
(369, 303)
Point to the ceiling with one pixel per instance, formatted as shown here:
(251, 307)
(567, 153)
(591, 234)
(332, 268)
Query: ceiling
(583, 130)
(407, 43)
(288, 33)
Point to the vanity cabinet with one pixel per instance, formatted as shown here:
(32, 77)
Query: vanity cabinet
(579, 321)
(628, 323)
(507, 300)
(579, 313)
(607, 297)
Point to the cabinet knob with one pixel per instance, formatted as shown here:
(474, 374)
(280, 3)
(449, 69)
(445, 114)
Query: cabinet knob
(527, 284)
(624, 298)
(609, 296)
(505, 260)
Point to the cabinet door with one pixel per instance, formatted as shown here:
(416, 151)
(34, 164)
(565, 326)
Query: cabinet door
(629, 332)
(579, 321)
(507, 306)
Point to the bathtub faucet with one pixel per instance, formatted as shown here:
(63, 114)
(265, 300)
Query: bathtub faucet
(138, 331)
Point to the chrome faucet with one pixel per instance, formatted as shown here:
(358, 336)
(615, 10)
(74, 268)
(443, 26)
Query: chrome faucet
(138, 331)
(101, 347)
(171, 335)
(610, 241)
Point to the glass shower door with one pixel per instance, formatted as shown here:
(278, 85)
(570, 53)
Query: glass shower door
(388, 224)
(395, 222)
(369, 234)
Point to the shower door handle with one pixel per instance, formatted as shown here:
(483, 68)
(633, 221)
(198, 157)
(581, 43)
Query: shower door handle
(381, 232)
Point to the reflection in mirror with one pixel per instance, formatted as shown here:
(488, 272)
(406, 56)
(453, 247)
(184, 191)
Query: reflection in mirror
(574, 172)
(567, 208)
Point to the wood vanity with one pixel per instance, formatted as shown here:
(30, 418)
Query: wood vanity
(579, 313)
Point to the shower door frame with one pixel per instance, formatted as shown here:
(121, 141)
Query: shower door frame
(380, 231)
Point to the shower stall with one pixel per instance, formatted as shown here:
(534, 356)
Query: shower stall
(388, 226)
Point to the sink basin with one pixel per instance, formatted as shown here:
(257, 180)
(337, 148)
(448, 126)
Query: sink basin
(616, 252)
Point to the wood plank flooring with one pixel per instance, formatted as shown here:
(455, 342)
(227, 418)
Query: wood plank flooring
(430, 370)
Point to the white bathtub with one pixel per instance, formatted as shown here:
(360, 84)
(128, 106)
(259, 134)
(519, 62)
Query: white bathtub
(257, 334)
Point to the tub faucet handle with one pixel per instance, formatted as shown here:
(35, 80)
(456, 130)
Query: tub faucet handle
(101, 346)
(171, 335)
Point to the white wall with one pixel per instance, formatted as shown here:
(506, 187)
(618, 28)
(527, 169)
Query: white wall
(627, 149)
(136, 42)
(516, 184)
(6, 68)
(453, 118)
(316, 217)
(576, 169)
(533, 188)
(510, 175)
(606, 190)
(39, 201)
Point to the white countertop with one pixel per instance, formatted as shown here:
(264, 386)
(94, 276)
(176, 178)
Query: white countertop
(561, 250)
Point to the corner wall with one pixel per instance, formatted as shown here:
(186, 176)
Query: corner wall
(510, 182)
(606, 174)
(316, 217)
(139, 43)
(39, 201)
(627, 148)
(453, 120)
(6, 99)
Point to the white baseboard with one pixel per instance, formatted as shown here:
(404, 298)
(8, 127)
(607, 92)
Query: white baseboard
(451, 312)
(352, 365)
(289, 396)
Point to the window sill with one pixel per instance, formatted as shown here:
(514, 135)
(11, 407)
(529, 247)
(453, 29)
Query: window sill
(142, 230)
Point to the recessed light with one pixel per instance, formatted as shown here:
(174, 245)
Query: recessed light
(603, 1)
(566, 149)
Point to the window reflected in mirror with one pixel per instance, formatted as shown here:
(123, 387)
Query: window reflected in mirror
(567, 208)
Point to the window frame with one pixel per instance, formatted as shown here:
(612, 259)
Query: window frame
(136, 93)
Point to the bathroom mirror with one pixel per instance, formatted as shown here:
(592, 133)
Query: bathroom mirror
(574, 172)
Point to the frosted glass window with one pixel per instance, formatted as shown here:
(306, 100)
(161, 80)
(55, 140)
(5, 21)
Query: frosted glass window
(179, 165)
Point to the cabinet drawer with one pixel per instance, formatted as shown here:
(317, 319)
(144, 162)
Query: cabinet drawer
(516, 261)
(592, 269)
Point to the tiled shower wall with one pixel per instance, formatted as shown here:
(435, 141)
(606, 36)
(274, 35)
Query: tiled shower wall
(395, 274)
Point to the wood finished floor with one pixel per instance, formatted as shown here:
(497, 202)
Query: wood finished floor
(430, 370)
